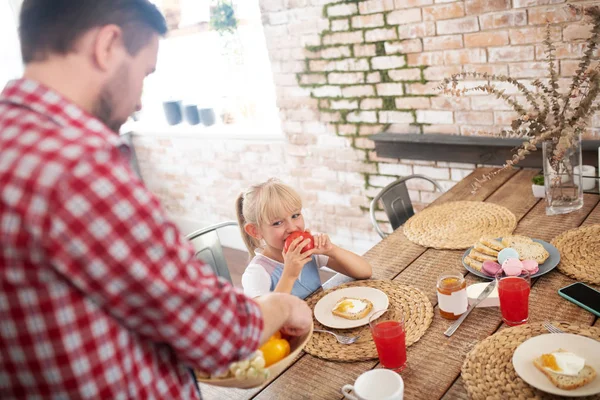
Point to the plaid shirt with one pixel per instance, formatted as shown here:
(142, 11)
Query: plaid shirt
(100, 296)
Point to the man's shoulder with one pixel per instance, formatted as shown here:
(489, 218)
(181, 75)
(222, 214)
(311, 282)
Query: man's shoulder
(31, 141)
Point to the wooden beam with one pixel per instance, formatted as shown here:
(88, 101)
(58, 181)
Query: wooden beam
(464, 149)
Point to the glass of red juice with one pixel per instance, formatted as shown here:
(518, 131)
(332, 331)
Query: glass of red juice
(513, 292)
(389, 336)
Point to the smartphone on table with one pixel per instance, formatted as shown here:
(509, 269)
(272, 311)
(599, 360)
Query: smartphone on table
(582, 295)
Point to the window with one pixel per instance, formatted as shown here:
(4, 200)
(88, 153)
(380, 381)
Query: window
(11, 66)
(230, 74)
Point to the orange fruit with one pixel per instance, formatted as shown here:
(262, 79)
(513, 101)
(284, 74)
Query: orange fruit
(276, 335)
(275, 350)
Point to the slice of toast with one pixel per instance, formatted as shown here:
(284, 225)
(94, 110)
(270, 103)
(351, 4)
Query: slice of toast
(474, 254)
(509, 241)
(482, 248)
(492, 243)
(477, 265)
(566, 382)
(531, 251)
(344, 308)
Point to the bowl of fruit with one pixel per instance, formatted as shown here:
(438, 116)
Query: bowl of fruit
(270, 360)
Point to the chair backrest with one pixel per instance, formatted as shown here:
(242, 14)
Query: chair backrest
(396, 202)
(208, 248)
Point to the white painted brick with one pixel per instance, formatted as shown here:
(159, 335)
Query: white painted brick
(367, 21)
(395, 169)
(410, 74)
(333, 198)
(370, 104)
(380, 181)
(362, 116)
(404, 16)
(378, 35)
(344, 105)
(430, 197)
(459, 174)
(405, 46)
(413, 102)
(399, 117)
(435, 117)
(358, 91)
(278, 18)
(388, 62)
(346, 78)
(312, 79)
(340, 25)
(339, 65)
(335, 52)
(343, 38)
(375, 6)
(327, 91)
(374, 77)
(390, 89)
(432, 172)
(342, 10)
(365, 50)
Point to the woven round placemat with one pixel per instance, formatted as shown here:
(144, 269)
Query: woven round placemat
(459, 224)
(488, 372)
(580, 253)
(412, 302)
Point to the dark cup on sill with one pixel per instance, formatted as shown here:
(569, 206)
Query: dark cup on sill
(191, 114)
(207, 116)
(172, 112)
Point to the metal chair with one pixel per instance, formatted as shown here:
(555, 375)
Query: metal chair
(396, 202)
(208, 248)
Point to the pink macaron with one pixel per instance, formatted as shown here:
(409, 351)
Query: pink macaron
(491, 268)
(531, 266)
(512, 266)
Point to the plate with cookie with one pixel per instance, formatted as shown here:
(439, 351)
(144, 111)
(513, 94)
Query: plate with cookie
(489, 255)
(560, 363)
(350, 307)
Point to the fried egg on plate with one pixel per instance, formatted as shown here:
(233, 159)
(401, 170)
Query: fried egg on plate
(351, 306)
(563, 363)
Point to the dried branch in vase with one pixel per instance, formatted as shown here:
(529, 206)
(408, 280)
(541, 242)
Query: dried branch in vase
(547, 115)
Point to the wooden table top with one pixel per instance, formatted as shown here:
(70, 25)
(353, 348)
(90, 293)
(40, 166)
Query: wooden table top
(434, 362)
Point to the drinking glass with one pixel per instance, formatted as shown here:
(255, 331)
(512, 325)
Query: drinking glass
(513, 292)
(390, 338)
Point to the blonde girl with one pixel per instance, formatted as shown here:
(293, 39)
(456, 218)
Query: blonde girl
(268, 213)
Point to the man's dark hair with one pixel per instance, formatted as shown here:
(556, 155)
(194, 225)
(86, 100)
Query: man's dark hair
(54, 26)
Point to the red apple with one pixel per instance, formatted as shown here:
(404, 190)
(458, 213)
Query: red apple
(304, 236)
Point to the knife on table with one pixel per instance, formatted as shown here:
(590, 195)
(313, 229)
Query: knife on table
(486, 292)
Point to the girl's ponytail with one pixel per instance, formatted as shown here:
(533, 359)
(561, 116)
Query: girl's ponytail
(251, 243)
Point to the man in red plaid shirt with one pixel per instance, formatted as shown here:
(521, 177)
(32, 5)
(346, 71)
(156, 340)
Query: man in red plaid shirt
(100, 295)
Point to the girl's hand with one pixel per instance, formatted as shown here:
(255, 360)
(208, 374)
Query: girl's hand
(294, 260)
(323, 244)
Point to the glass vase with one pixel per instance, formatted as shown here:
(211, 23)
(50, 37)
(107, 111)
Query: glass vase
(564, 189)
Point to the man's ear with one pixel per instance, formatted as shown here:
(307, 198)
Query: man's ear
(108, 47)
(252, 230)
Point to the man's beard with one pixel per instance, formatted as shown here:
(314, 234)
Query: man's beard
(105, 106)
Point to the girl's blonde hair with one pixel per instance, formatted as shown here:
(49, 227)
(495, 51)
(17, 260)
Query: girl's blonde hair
(262, 204)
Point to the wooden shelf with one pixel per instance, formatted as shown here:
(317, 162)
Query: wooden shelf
(464, 149)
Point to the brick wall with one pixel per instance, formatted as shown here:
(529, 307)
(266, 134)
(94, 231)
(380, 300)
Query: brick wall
(347, 69)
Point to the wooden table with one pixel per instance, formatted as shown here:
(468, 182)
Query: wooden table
(434, 362)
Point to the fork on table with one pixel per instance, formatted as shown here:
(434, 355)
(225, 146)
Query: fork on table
(340, 338)
(551, 328)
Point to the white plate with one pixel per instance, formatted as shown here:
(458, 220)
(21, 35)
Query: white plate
(324, 306)
(530, 349)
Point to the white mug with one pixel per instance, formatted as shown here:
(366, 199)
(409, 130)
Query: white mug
(376, 384)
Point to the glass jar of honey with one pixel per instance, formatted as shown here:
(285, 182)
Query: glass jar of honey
(452, 295)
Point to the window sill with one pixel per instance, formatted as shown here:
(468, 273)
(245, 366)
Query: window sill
(217, 131)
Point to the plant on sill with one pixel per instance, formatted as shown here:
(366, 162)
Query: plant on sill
(222, 17)
(552, 117)
(538, 180)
